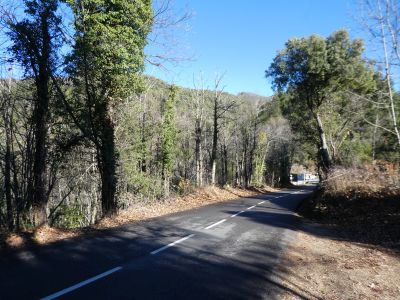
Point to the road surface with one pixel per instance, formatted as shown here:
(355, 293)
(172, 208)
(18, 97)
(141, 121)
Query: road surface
(221, 251)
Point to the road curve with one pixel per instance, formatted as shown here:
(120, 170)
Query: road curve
(221, 251)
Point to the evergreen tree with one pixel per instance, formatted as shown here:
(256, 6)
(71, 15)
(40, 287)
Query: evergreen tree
(311, 70)
(107, 62)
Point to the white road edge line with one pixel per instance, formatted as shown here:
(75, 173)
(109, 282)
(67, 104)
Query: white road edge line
(251, 207)
(260, 202)
(238, 213)
(171, 244)
(78, 285)
(215, 224)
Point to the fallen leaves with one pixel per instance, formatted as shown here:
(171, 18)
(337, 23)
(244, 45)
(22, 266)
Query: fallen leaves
(138, 211)
(324, 268)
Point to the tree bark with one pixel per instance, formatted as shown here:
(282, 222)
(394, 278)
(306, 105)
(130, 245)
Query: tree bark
(324, 152)
(252, 152)
(108, 169)
(40, 155)
(41, 128)
(374, 137)
(284, 178)
(245, 162)
(389, 78)
(213, 160)
(7, 183)
(198, 154)
(225, 166)
(143, 164)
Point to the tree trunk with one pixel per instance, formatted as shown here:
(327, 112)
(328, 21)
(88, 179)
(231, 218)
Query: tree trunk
(284, 178)
(40, 116)
(39, 173)
(107, 169)
(143, 145)
(19, 203)
(213, 161)
(273, 179)
(225, 166)
(236, 183)
(166, 186)
(374, 137)
(389, 78)
(40, 156)
(324, 153)
(245, 163)
(252, 152)
(198, 155)
(7, 183)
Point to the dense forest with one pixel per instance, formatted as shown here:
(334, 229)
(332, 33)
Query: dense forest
(83, 133)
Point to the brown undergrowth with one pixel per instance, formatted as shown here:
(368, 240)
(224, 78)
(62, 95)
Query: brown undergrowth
(364, 204)
(323, 267)
(348, 247)
(137, 211)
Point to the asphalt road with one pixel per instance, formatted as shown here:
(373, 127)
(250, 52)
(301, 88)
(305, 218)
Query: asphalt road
(221, 251)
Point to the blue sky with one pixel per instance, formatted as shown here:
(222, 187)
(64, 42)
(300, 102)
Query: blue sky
(241, 37)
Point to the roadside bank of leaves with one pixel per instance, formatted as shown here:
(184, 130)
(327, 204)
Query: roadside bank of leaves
(363, 204)
(138, 211)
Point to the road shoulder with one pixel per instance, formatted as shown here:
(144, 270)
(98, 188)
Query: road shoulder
(320, 265)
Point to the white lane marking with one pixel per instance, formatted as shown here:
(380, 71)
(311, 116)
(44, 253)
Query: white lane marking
(78, 285)
(215, 224)
(171, 244)
(238, 213)
(116, 269)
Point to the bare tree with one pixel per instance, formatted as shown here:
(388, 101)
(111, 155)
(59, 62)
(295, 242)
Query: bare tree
(220, 106)
(198, 105)
(381, 18)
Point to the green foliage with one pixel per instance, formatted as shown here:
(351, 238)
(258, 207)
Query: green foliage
(106, 64)
(270, 109)
(70, 215)
(37, 37)
(311, 76)
(109, 42)
(143, 185)
(313, 67)
(356, 151)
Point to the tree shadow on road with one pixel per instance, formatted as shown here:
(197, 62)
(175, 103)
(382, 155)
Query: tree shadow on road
(179, 273)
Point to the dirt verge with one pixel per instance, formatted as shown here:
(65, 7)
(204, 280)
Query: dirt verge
(349, 244)
(319, 266)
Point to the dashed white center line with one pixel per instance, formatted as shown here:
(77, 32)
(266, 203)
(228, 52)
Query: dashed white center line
(238, 213)
(97, 277)
(215, 224)
(171, 244)
(78, 285)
